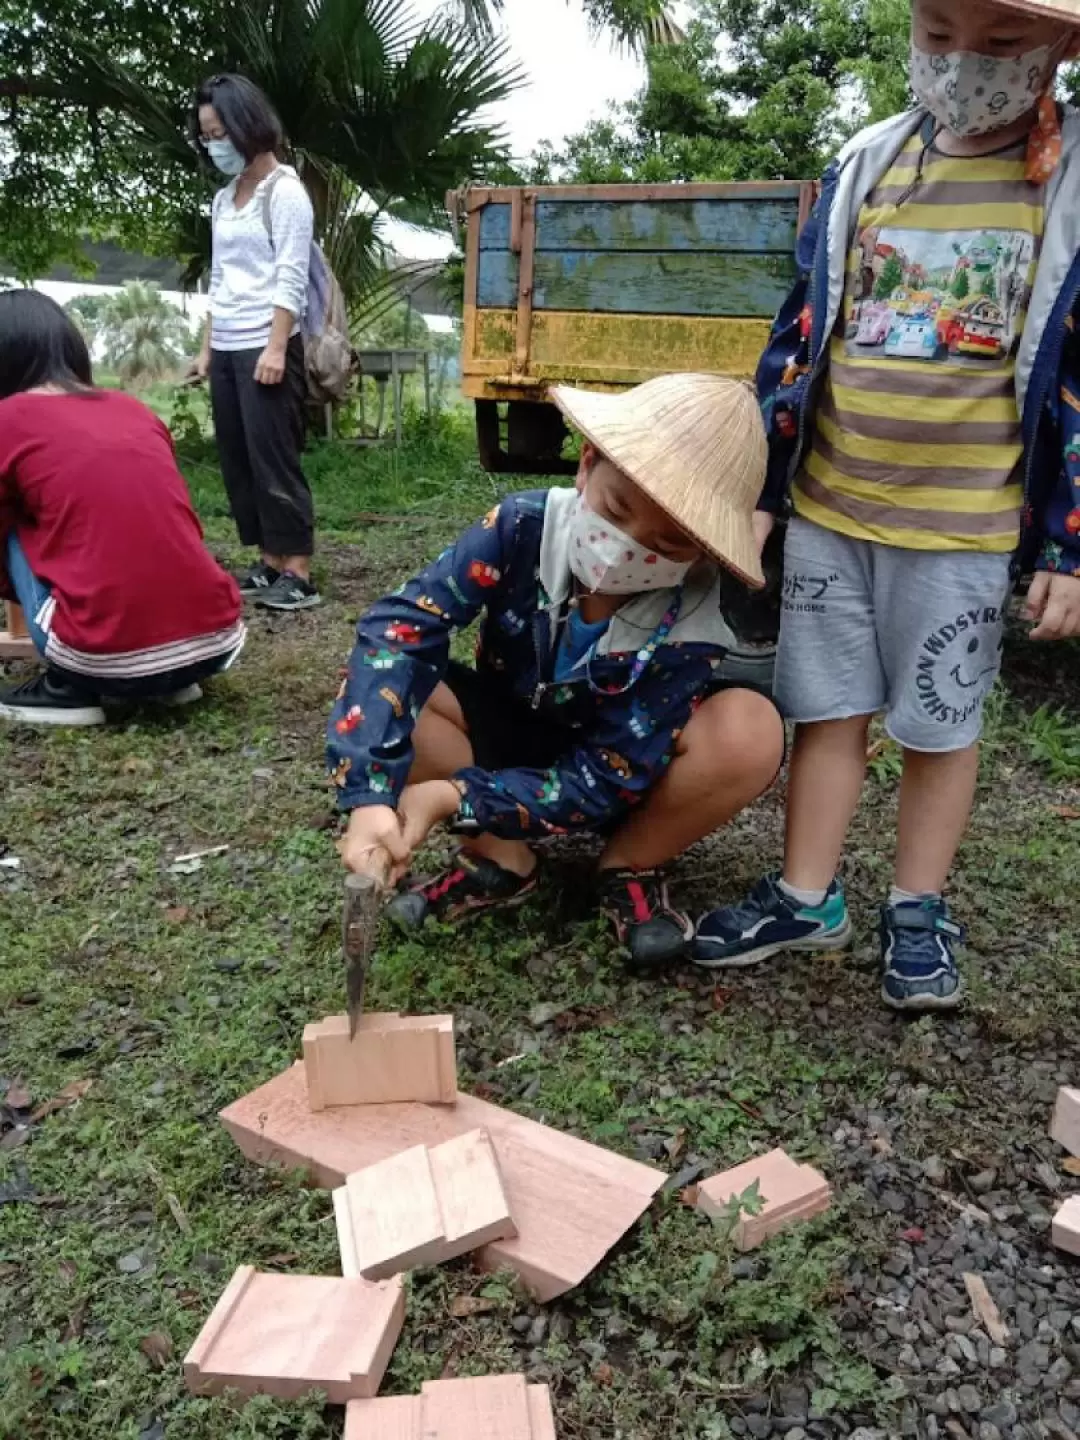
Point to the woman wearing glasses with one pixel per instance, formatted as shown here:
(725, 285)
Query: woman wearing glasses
(252, 350)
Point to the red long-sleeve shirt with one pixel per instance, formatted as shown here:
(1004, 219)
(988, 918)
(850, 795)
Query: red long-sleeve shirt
(90, 486)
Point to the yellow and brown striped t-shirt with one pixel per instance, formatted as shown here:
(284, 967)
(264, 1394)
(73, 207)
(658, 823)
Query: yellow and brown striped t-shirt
(916, 439)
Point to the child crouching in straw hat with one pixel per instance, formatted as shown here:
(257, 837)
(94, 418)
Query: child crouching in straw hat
(596, 702)
(922, 388)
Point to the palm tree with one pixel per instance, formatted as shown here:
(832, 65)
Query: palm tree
(144, 335)
(383, 112)
(635, 22)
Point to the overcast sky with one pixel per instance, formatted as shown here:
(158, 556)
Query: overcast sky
(573, 73)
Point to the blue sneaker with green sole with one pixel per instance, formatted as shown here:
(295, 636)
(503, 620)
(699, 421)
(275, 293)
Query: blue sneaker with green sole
(766, 923)
(919, 968)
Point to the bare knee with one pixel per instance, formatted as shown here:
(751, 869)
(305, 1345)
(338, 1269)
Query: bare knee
(445, 704)
(737, 731)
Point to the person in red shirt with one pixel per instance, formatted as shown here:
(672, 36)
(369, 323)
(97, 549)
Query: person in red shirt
(99, 542)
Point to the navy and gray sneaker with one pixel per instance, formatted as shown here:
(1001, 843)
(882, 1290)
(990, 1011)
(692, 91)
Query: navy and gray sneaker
(766, 923)
(289, 592)
(920, 973)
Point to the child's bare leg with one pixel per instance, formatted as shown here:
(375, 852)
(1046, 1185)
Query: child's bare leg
(442, 748)
(937, 793)
(727, 755)
(828, 767)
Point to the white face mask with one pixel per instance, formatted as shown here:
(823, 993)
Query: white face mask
(607, 562)
(973, 94)
(226, 156)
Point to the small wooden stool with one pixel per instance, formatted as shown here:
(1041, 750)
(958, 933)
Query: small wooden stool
(15, 642)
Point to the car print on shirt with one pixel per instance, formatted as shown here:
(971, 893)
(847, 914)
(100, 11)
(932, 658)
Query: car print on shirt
(947, 297)
(616, 762)
(340, 773)
(380, 659)
(393, 699)
(429, 607)
(484, 575)
(400, 632)
(352, 718)
(378, 780)
(914, 339)
(550, 792)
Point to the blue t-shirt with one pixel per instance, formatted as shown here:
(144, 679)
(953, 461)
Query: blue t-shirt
(578, 640)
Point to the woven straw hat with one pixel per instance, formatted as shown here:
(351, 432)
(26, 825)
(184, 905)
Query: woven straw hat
(1051, 9)
(696, 445)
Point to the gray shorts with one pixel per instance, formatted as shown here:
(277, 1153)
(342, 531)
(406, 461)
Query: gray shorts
(867, 628)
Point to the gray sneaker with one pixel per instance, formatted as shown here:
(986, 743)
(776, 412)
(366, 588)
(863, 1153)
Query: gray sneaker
(289, 592)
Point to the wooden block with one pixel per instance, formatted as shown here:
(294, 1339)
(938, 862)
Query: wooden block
(494, 1407)
(472, 1198)
(15, 642)
(541, 1415)
(395, 1417)
(422, 1207)
(394, 1058)
(392, 1218)
(1065, 1128)
(571, 1201)
(789, 1192)
(288, 1335)
(1066, 1228)
(15, 621)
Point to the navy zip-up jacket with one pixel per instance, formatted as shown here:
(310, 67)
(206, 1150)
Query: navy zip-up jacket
(1048, 362)
(513, 569)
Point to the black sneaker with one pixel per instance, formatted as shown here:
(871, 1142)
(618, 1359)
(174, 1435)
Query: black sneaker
(289, 592)
(256, 579)
(472, 884)
(652, 930)
(46, 700)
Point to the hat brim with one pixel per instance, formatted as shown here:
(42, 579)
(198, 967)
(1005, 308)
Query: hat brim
(600, 419)
(1067, 11)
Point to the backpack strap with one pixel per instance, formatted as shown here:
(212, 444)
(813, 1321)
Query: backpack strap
(267, 197)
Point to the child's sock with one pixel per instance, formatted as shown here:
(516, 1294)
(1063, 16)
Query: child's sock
(805, 899)
(907, 897)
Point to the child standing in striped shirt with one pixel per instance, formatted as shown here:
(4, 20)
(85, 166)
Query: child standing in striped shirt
(917, 389)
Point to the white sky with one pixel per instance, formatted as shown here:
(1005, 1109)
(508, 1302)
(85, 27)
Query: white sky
(574, 75)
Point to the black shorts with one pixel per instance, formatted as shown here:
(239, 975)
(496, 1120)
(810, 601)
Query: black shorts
(506, 733)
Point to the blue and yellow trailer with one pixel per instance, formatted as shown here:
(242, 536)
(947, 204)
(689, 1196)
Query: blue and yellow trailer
(608, 285)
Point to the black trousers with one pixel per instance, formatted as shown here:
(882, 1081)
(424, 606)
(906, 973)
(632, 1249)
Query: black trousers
(260, 435)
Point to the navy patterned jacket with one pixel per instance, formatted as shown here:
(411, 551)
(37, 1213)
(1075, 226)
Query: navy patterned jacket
(512, 568)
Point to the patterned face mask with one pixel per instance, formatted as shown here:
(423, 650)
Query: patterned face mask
(608, 562)
(973, 94)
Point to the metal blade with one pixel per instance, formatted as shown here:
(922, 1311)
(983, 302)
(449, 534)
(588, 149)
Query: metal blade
(363, 894)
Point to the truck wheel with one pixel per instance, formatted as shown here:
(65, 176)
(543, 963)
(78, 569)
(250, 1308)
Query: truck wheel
(535, 435)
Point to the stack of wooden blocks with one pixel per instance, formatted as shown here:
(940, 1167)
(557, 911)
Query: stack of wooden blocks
(422, 1174)
(1065, 1129)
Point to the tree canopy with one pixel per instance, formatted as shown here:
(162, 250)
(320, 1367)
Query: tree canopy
(759, 89)
(381, 111)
